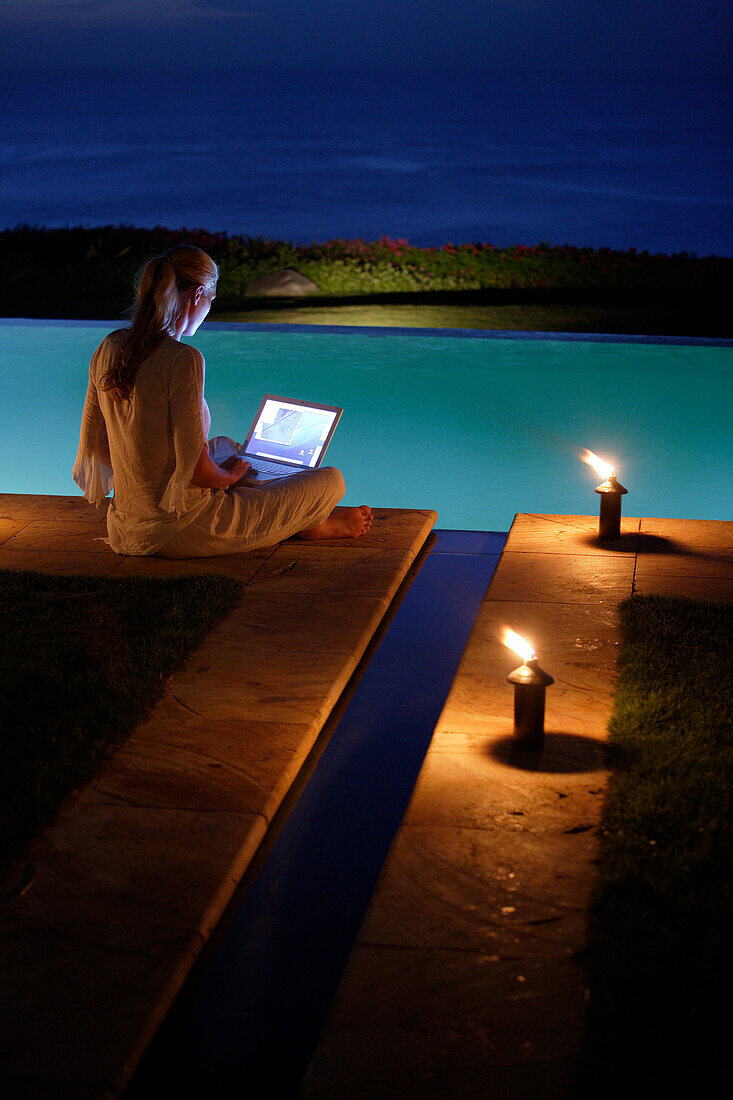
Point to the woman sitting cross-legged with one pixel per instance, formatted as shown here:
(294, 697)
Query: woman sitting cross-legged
(144, 435)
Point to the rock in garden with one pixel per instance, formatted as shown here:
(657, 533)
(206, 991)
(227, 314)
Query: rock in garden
(286, 283)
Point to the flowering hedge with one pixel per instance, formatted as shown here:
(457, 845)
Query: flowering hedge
(78, 264)
(396, 265)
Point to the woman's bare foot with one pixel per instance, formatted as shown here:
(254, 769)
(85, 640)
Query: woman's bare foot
(343, 523)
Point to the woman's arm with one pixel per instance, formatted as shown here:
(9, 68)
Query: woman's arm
(207, 475)
(93, 467)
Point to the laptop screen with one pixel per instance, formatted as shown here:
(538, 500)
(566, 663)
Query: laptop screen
(291, 431)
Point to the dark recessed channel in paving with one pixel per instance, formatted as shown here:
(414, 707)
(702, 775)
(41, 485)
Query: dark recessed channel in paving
(253, 1023)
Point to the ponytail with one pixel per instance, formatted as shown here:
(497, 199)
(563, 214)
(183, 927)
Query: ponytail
(162, 287)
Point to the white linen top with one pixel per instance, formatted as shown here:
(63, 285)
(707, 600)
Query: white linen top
(152, 443)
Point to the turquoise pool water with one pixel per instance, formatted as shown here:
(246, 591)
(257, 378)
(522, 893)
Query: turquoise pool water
(478, 426)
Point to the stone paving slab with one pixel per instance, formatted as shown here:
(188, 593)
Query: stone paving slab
(688, 535)
(465, 981)
(70, 510)
(93, 562)
(135, 873)
(537, 533)
(554, 578)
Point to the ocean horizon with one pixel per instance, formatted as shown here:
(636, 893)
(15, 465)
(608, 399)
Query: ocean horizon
(595, 160)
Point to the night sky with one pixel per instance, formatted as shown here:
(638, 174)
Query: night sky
(679, 36)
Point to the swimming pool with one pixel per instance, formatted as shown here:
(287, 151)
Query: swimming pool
(477, 425)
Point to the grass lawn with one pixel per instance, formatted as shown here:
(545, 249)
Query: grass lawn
(82, 660)
(659, 947)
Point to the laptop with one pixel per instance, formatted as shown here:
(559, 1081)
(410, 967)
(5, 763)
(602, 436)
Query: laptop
(287, 435)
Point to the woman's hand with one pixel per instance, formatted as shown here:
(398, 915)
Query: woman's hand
(237, 467)
(207, 475)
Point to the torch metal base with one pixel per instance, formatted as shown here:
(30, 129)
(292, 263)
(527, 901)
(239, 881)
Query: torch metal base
(529, 717)
(609, 523)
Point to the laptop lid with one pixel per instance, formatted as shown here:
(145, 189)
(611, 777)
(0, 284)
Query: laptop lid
(293, 432)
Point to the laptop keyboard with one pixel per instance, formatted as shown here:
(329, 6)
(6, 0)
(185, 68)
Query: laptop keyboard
(267, 469)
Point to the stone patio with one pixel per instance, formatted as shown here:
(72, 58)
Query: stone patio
(134, 875)
(465, 980)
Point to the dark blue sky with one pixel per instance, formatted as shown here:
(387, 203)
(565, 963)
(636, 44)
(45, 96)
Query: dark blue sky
(589, 121)
(680, 36)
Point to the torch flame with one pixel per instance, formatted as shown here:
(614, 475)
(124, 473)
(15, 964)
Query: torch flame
(602, 468)
(513, 641)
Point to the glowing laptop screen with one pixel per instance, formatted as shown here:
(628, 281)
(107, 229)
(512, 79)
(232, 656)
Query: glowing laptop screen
(291, 431)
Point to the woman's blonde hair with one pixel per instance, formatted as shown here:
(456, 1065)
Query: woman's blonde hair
(162, 286)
